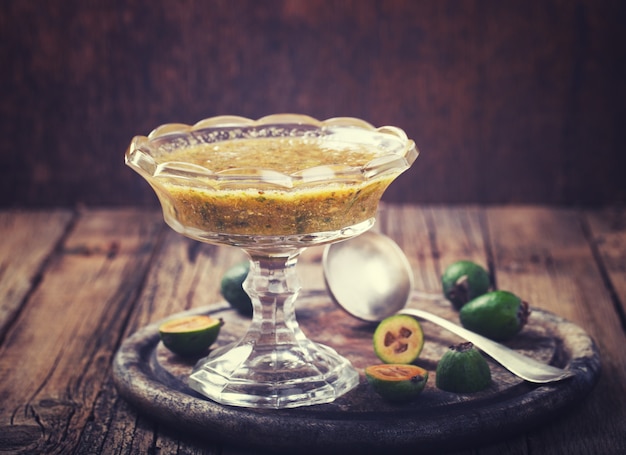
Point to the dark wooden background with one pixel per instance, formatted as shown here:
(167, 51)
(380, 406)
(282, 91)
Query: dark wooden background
(519, 101)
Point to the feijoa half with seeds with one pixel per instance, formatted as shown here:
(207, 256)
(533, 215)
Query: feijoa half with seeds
(464, 280)
(398, 339)
(498, 315)
(397, 382)
(462, 369)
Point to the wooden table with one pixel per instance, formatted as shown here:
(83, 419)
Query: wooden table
(75, 284)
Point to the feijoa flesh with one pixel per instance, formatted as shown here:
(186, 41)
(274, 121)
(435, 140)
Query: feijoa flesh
(462, 369)
(190, 335)
(398, 339)
(397, 382)
(232, 290)
(464, 280)
(498, 315)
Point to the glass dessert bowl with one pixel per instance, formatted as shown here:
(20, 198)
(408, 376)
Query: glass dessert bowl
(272, 187)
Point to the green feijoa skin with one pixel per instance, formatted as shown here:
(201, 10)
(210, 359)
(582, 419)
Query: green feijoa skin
(464, 280)
(397, 383)
(498, 315)
(232, 288)
(462, 369)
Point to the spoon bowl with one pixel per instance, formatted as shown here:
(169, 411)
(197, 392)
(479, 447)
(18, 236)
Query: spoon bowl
(371, 279)
(368, 276)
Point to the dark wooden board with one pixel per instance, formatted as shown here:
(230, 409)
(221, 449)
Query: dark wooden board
(154, 381)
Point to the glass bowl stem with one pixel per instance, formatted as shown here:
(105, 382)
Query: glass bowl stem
(274, 365)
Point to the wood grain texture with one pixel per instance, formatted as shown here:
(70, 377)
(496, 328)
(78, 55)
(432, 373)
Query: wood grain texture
(105, 273)
(607, 229)
(56, 355)
(544, 255)
(517, 101)
(29, 239)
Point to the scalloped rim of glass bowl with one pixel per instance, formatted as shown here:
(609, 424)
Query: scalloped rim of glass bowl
(140, 152)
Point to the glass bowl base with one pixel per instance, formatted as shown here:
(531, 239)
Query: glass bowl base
(274, 377)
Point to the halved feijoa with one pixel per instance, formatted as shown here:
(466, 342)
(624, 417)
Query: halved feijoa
(190, 335)
(398, 339)
(462, 369)
(396, 382)
(464, 280)
(498, 315)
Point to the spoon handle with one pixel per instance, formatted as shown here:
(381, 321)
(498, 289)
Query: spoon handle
(518, 364)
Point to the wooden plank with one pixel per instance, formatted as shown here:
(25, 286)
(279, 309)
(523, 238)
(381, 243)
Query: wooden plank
(543, 256)
(57, 354)
(407, 225)
(608, 234)
(185, 274)
(457, 234)
(28, 239)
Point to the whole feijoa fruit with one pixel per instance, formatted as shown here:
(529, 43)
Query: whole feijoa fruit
(398, 339)
(464, 280)
(397, 383)
(462, 369)
(190, 335)
(232, 290)
(498, 315)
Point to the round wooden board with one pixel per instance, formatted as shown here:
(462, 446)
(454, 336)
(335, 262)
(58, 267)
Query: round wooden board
(154, 381)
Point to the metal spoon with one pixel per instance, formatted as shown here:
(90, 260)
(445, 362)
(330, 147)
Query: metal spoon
(370, 278)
